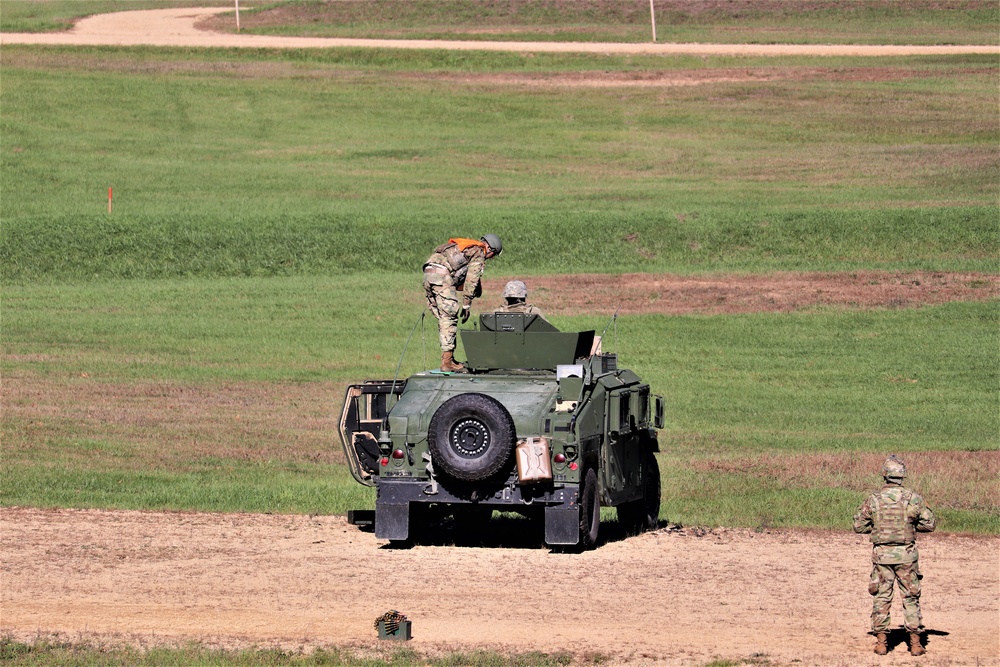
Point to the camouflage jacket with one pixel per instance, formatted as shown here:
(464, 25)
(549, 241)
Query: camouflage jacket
(525, 308)
(893, 515)
(464, 266)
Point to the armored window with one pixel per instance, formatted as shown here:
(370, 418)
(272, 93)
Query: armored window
(641, 407)
(623, 411)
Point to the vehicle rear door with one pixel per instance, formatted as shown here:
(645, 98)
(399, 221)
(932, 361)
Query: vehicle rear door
(362, 417)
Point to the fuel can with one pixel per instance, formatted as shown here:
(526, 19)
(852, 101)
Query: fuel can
(533, 461)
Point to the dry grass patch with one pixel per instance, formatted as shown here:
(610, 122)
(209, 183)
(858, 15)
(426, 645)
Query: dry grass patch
(156, 422)
(960, 480)
(669, 294)
(656, 75)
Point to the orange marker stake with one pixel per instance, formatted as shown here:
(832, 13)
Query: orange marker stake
(109, 200)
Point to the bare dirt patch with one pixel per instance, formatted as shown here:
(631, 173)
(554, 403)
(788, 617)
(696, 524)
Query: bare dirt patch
(674, 78)
(668, 294)
(672, 597)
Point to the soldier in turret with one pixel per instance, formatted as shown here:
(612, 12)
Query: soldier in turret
(515, 296)
(451, 273)
(893, 515)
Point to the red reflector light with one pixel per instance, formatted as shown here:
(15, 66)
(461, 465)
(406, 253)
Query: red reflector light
(385, 460)
(398, 454)
(559, 458)
(573, 466)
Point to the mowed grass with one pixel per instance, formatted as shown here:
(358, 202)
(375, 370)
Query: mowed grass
(226, 164)
(223, 395)
(190, 349)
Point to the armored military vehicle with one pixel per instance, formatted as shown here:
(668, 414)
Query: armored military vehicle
(543, 423)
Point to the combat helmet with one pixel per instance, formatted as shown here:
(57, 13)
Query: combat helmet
(493, 241)
(893, 468)
(515, 289)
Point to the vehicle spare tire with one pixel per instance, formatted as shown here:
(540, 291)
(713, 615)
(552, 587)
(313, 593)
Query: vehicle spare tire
(471, 437)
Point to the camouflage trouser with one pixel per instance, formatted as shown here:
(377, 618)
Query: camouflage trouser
(443, 301)
(907, 575)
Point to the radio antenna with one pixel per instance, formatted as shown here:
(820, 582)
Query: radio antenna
(403, 353)
(613, 320)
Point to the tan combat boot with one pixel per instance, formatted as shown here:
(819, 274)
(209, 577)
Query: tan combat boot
(881, 644)
(449, 364)
(916, 648)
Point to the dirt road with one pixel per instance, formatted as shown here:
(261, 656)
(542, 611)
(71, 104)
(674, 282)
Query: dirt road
(672, 597)
(178, 27)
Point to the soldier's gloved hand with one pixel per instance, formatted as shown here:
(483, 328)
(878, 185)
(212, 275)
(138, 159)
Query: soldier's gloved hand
(466, 312)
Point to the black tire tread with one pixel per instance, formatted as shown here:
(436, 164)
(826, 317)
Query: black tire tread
(502, 434)
(590, 518)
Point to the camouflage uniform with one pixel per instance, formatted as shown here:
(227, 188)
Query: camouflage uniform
(450, 274)
(893, 515)
(525, 308)
(515, 294)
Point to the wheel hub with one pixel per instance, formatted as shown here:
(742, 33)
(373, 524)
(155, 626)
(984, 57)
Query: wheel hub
(469, 438)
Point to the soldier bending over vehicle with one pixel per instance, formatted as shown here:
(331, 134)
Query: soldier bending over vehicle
(451, 272)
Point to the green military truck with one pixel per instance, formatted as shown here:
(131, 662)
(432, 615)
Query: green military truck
(543, 423)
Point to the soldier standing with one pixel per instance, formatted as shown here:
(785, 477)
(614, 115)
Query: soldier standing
(893, 515)
(452, 272)
(515, 295)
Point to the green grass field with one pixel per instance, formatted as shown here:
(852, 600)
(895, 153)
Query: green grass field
(234, 164)
(812, 399)
(271, 210)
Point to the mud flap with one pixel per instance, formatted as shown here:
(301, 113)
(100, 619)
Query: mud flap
(562, 525)
(392, 521)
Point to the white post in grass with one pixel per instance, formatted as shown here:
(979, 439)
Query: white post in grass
(238, 15)
(652, 18)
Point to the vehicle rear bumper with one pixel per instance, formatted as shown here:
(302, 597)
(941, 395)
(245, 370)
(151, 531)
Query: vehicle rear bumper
(408, 490)
(560, 503)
